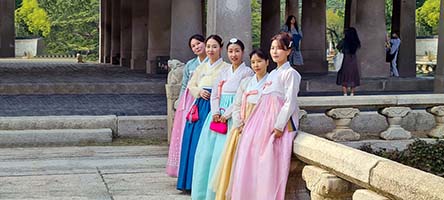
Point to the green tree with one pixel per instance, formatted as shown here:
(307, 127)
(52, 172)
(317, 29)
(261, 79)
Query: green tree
(31, 19)
(335, 26)
(256, 23)
(428, 15)
(75, 25)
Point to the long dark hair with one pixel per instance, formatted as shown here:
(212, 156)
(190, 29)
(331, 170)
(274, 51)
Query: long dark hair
(288, 23)
(351, 40)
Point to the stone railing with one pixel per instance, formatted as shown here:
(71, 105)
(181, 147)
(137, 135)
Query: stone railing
(425, 67)
(343, 110)
(335, 171)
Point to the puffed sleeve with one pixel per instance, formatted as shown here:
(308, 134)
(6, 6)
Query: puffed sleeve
(236, 115)
(193, 85)
(214, 101)
(291, 80)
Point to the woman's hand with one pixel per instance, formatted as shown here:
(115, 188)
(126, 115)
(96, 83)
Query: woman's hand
(205, 94)
(277, 133)
(216, 118)
(223, 119)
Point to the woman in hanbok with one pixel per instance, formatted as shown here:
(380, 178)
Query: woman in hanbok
(291, 27)
(247, 95)
(197, 45)
(200, 86)
(263, 159)
(211, 143)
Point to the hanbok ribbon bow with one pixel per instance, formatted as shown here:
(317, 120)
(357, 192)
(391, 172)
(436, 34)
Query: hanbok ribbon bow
(244, 102)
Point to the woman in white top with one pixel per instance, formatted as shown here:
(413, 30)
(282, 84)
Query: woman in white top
(247, 95)
(211, 143)
(264, 153)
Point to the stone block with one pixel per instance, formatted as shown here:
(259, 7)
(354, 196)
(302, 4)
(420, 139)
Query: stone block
(59, 122)
(54, 136)
(403, 182)
(352, 164)
(394, 117)
(153, 127)
(342, 117)
(362, 194)
(325, 185)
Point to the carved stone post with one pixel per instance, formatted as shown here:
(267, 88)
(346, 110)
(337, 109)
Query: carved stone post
(363, 194)
(172, 89)
(326, 186)
(342, 118)
(438, 113)
(394, 117)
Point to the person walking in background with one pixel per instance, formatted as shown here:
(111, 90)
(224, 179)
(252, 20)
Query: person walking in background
(348, 76)
(395, 42)
(263, 158)
(197, 45)
(250, 89)
(199, 86)
(291, 27)
(211, 143)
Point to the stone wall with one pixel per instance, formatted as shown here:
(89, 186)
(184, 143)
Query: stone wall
(423, 45)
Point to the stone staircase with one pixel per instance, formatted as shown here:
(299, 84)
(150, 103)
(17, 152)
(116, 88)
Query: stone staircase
(60, 102)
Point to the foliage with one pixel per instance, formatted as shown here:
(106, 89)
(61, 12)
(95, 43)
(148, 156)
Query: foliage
(31, 19)
(428, 15)
(75, 25)
(335, 26)
(388, 15)
(420, 154)
(256, 23)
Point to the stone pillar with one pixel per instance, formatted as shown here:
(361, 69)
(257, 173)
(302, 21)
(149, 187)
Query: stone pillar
(314, 21)
(403, 22)
(7, 29)
(326, 186)
(363, 194)
(139, 47)
(230, 18)
(186, 20)
(102, 31)
(394, 117)
(369, 21)
(438, 113)
(342, 117)
(159, 34)
(107, 32)
(115, 32)
(125, 33)
(350, 13)
(292, 8)
(270, 22)
(439, 72)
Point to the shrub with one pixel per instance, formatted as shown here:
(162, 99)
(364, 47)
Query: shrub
(425, 156)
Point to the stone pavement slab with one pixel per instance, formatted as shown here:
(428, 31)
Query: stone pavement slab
(129, 172)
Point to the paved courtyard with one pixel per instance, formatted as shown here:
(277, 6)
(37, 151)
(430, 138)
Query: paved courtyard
(102, 173)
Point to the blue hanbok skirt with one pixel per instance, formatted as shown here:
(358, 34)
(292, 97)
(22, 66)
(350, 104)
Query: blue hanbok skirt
(208, 153)
(190, 139)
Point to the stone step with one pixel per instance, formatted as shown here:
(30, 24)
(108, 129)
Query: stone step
(82, 88)
(73, 130)
(54, 137)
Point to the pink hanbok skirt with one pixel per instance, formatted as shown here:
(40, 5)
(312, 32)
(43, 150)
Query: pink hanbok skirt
(185, 102)
(262, 162)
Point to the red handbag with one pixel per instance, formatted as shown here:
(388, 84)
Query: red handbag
(219, 127)
(193, 114)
